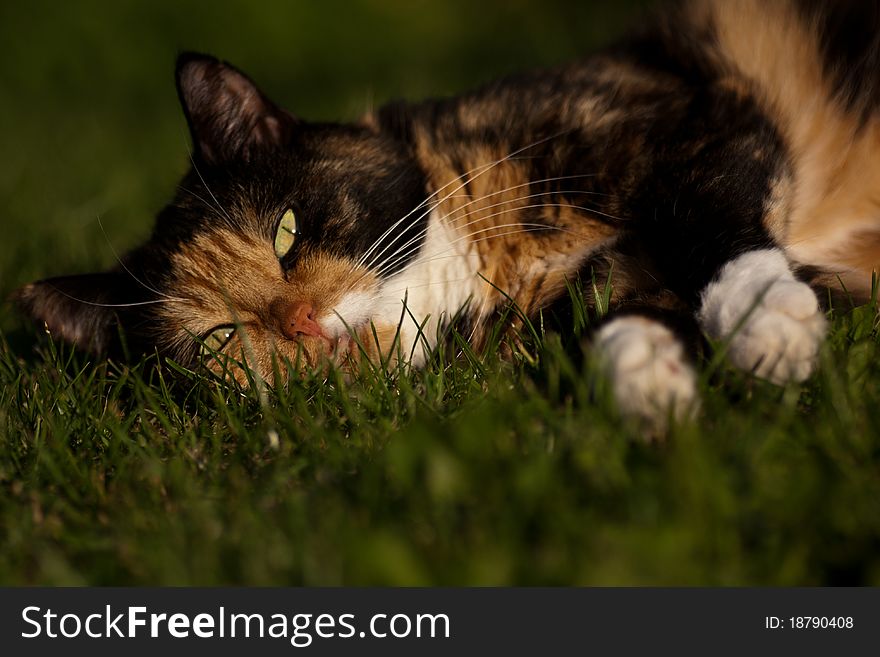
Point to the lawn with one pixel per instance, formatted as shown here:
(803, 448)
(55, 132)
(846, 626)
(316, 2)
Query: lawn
(475, 470)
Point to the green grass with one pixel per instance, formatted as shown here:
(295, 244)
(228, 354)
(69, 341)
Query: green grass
(472, 471)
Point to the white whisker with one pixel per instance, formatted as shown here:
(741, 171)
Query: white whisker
(530, 228)
(120, 305)
(122, 264)
(199, 174)
(388, 263)
(501, 191)
(470, 179)
(388, 231)
(423, 232)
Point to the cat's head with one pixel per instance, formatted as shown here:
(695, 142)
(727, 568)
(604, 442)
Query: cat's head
(277, 240)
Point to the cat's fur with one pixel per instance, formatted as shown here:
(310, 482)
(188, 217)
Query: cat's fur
(712, 163)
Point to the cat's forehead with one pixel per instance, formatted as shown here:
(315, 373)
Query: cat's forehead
(328, 171)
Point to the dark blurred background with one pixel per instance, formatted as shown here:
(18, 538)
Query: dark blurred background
(90, 122)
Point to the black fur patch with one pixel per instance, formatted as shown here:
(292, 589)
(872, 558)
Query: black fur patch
(849, 32)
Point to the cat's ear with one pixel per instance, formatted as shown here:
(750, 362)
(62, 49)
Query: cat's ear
(229, 117)
(77, 309)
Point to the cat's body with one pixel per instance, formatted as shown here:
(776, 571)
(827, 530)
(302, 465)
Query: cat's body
(699, 163)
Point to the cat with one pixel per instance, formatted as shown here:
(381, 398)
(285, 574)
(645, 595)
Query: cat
(720, 163)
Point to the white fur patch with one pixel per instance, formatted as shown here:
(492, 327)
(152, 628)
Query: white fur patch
(773, 321)
(352, 311)
(650, 377)
(436, 285)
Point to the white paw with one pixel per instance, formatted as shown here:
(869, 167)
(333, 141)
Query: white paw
(650, 377)
(773, 321)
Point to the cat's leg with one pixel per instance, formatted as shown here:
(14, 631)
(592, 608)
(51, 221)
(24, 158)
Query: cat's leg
(649, 370)
(772, 321)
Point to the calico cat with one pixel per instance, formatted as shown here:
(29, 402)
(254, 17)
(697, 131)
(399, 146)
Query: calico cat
(718, 163)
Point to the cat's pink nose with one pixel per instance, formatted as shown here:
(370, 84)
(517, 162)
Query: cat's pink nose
(300, 320)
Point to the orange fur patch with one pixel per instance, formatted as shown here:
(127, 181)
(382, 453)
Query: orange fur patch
(834, 195)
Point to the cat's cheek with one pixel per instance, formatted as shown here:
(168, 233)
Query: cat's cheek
(293, 359)
(228, 369)
(249, 359)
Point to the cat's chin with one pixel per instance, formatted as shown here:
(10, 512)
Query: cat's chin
(324, 353)
(341, 349)
(318, 353)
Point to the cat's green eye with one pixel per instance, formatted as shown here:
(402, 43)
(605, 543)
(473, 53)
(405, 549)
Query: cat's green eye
(286, 234)
(216, 339)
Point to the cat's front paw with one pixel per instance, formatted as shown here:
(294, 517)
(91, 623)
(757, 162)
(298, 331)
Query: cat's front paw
(772, 321)
(650, 377)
